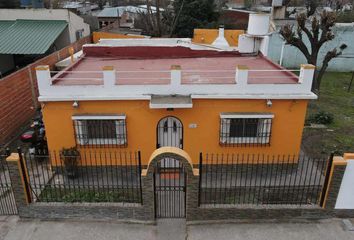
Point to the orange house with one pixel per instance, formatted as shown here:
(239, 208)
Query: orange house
(142, 94)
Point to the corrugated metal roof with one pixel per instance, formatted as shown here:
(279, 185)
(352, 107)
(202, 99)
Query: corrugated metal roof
(30, 36)
(111, 12)
(5, 25)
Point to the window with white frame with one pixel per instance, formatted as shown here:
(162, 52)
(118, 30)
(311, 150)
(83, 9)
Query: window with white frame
(245, 128)
(100, 130)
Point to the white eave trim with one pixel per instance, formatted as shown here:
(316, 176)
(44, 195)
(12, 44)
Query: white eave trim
(193, 96)
(246, 115)
(98, 117)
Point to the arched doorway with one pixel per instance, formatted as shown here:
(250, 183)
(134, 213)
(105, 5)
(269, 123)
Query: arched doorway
(170, 168)
(169, 132)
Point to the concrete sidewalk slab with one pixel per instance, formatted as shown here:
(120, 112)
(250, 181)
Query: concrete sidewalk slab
(12, 228)
(171, 229)
(62, 230)
(325, 230)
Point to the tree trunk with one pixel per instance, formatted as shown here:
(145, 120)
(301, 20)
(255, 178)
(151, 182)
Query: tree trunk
(319, 78)
(313, 61)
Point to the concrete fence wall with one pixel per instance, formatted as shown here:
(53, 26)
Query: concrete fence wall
(19, 92)
(145, 211)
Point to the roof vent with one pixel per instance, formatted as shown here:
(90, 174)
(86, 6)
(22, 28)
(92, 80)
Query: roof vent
(220, 41)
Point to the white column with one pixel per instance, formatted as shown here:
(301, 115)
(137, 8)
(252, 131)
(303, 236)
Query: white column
(44, 79)
(241, 76)
(345, 199)
(307, 72)
(176, 75)
(109, 76)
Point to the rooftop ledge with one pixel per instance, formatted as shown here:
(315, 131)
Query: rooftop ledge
(240, 83)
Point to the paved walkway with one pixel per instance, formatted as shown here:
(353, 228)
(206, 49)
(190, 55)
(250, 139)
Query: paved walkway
(11, 228)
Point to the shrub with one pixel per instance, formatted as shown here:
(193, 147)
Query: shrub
(322, 118)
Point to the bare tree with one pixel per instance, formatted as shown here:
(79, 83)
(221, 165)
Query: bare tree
(318, 33)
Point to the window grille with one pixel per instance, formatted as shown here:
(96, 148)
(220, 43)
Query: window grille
(245, 129)
(94, 131)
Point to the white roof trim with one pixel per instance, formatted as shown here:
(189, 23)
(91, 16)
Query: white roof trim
(98, 117)
(246, 115)
(194, 96)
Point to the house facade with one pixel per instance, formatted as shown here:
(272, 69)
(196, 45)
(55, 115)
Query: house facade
(175, 128)
(144, 94)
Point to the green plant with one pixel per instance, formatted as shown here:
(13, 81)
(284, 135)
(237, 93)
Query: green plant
(70, 158)
(322, 117)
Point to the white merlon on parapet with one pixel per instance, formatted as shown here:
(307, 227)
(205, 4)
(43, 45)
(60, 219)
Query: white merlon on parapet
(109, 76)
(241, 76)
(176, 75)
(307, 72)
(44, 79)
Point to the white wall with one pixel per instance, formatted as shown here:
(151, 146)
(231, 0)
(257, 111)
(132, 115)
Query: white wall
(293, 58)
(63, 40)
(75, 22)
(345, 198)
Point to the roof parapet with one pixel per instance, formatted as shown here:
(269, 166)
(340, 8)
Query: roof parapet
(111, 85)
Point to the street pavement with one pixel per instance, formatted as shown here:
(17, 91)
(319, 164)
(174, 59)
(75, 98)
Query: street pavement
(12, 228)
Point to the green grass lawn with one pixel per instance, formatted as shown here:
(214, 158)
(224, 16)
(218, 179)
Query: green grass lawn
(62, 194)
(334, 98)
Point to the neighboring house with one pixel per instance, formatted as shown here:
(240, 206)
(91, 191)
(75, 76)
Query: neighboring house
(28, 34)
(244, 3)
(124, 14)
(235, 18)
(144, 94)
(83, 7)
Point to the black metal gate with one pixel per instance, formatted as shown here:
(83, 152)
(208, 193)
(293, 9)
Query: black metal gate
(170, 189)
(7, 199)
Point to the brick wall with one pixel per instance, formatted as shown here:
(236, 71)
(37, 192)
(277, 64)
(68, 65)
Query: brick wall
(19, 93)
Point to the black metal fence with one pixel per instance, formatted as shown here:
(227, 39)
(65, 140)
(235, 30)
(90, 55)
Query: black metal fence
(7, 200)
(260, 179)
(85, 176)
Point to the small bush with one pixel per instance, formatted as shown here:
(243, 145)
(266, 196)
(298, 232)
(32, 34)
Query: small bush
(322, 118)
(346, 17)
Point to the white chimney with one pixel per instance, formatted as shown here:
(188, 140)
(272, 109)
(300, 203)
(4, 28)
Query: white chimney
(256, 38)
(220, 41)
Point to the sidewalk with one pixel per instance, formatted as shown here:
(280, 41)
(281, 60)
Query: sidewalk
(11, 228)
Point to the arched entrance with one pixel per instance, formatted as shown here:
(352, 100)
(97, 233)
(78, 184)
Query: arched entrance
(171, 167)
(169, 132)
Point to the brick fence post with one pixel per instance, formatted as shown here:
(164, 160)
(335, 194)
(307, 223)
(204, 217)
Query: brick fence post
(335, 179)
(147, 182)
(192, 201)
(19, 180)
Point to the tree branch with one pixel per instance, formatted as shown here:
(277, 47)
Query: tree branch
(289, 36)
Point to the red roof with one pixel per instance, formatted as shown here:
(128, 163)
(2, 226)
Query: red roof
(151, 65)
